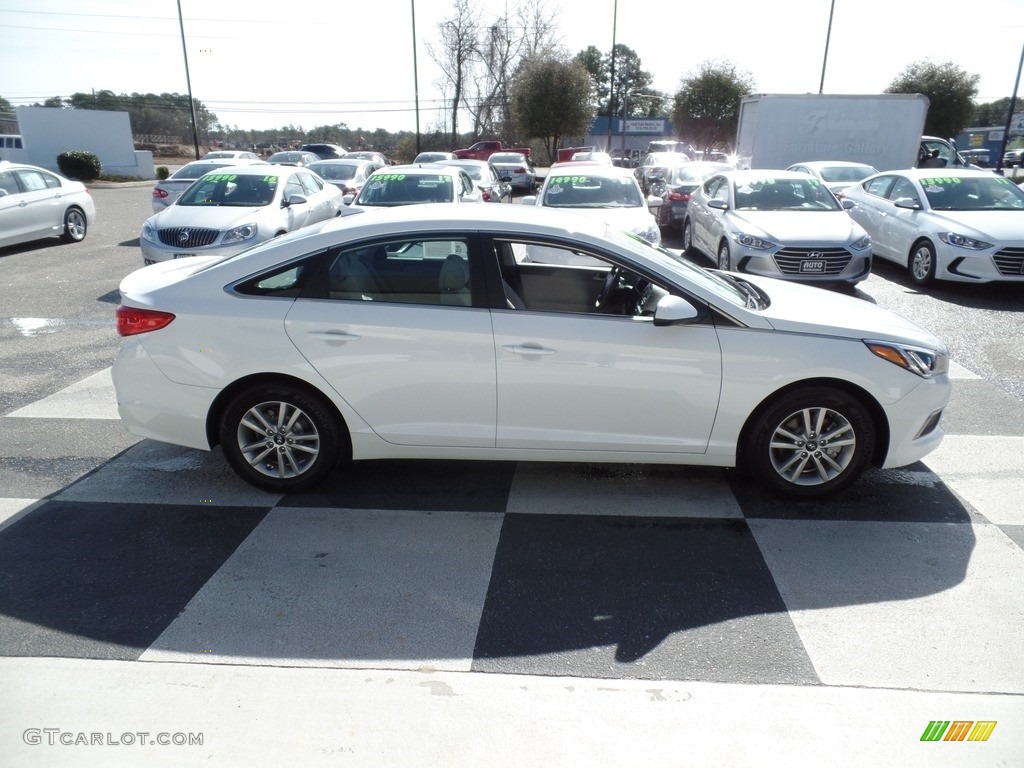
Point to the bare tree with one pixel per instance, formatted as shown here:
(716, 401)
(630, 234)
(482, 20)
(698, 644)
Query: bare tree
(455, 56)
(480, 60)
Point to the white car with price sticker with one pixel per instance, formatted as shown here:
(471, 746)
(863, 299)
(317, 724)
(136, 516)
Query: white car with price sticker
(231, 209)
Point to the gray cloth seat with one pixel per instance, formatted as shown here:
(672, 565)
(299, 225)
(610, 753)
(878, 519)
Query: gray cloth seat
(351, 278)
(453, 282)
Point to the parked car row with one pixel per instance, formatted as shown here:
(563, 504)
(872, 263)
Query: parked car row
(824, 222)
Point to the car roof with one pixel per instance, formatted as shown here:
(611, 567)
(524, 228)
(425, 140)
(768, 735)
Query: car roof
(344, 161)
(833, 164)
(593, 168)
(421, 169)
(258, 169)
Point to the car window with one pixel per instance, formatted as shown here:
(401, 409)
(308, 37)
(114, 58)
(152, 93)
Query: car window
(403, 189)
(904, 188)
(581, 190)
(309, 183)
(543, 276)
(284, 281)
(879, 186)
(230, 189)
(31, 181)
(434, 271)
(8, 184)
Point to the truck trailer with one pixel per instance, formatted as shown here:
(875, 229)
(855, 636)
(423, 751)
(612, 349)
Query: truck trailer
(778, 130)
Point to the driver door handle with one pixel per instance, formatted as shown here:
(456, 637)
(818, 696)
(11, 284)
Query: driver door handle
(528, 350)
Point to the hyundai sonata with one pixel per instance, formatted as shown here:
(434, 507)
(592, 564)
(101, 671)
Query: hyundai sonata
(424, 332)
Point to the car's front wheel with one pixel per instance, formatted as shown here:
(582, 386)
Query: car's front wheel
(75, 225)
(688, 237)
(922, 263)
(723, 256)
(810, 442)
(280, 438)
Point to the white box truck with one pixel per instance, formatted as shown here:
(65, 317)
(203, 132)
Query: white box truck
(778, 130)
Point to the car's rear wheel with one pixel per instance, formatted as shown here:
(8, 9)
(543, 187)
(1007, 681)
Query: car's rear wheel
(811, 442)
(280, 438)
(922, 262)
(75, 225)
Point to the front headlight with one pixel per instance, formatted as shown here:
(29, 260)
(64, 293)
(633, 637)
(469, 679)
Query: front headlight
(752, 241)
(652, 234)
(860, 245)
(149, 232)
(240, 234)
(926, 363)
(963, 241)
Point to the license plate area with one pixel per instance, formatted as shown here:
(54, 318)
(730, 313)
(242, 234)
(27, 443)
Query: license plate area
(812, 266)
(183, 255)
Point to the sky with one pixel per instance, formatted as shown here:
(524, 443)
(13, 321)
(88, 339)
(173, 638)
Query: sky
(306, 63)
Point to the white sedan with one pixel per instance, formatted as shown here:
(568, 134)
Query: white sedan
(417, 332)
(233, 208)
(603, 191)
(961, 225)
(36, 203)
(778, 224)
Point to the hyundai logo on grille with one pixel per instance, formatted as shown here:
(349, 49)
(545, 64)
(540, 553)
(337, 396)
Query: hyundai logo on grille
(184, 235)
(815, 255)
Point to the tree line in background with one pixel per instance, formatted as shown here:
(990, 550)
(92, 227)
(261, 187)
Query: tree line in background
(513, 80)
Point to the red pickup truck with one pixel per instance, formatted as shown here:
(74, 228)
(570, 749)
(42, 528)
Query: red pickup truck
(483, 150)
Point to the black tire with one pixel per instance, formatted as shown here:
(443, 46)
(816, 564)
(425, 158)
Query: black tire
(687, 238)
(281, 438)
(75, 226)
(921, 263)
(723, 257)
(810, 443)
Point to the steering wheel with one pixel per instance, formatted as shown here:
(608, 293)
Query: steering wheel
(610, 283)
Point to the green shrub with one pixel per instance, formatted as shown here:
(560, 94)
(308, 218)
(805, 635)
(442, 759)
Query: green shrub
(79, 164)
(162, 172)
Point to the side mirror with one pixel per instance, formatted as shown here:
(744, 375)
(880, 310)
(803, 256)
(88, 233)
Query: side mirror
(347, 199)
(674, 310)
(653, 201)
(907, 202)
(847, 203)
(720, 205)
(288, 202)
(528, 200)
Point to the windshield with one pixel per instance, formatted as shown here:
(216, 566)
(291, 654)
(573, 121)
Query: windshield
(333, 172)
(973, 193)
(195, 171)
(388, 189)
(505, 157)
(583, 191)
(238, 190)
(847, 172)
(784, 194)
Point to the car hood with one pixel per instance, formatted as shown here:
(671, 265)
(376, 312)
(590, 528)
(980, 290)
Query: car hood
(795, 308)
(792, 227)
(207, 217)
(985, 225)
(635, 219)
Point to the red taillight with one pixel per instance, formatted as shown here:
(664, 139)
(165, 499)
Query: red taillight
(679, 197)
(486, 195)
(160, 193)
(131, 321)
(520, 169)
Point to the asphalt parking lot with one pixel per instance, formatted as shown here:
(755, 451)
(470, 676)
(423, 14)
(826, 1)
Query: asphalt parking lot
(506, 614)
